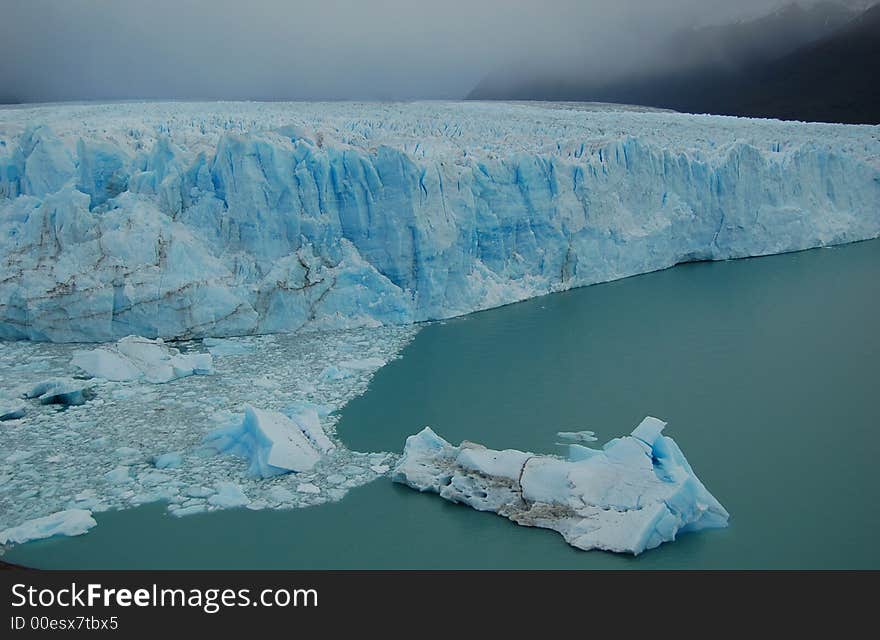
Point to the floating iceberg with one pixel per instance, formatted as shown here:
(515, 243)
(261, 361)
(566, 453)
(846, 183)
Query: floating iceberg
(71, 522)
(194, 220)
(219, 347)
(65, 391)
(229, 496)
(136, 358)
(634, 494)
(273, 442)
(12, 412)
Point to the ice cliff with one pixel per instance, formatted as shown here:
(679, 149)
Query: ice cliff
(634, 494)
(190, 220)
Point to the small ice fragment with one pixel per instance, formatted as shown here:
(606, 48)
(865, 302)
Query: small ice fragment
(11, 412)
(64, 391)
(168, 461)
(578, 436)
(219, 347)
(280, 494)
(198, 491)
(334, 373)
(117, 475)
(189, 511)
(128, 454)
(228, 495)
(136, 358)
(308, 487)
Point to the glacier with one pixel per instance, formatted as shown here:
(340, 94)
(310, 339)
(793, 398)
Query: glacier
(632, 495)
(187, 220)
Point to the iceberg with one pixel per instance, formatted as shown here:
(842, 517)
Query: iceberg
(136, 358)
(12, 412)
(635, 493)
(64, 391)
(178, 220)
(228, 496)
(70, 522)
(273, 442)
(219, 347)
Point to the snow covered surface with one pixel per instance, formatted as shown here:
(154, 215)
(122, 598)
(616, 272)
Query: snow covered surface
(137, 442)
(191, 220)
(633, 494)
(137, 358)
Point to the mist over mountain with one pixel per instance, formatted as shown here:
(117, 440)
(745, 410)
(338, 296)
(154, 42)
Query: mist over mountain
(805, 62)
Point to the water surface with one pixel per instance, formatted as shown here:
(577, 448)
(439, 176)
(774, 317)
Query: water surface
(766, 370)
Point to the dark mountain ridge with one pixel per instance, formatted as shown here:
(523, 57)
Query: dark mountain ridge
(816, 64)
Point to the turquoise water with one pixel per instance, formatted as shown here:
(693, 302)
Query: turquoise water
(767, 371)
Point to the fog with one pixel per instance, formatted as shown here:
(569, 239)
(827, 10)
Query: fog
(53, 50)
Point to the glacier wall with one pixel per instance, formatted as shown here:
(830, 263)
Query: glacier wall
(184, 220)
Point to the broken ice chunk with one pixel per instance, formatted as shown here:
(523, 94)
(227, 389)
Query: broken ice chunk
(228, 495)
(578, 436)
(308, 487)
(118, 475)
(306, 415)
(63, 391)
(334, 373)
(11, 412)
(273, 443)
(137, 358)
(168, 461)
(71, 522)
(636, 493)
(219, 347)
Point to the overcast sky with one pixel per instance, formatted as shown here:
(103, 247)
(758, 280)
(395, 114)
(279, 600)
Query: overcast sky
(316, 49)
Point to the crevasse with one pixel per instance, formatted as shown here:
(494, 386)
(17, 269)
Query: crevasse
(187, 220)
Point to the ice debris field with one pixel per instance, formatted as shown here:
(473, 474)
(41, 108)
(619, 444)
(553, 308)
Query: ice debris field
(163, 230)
(196, 442)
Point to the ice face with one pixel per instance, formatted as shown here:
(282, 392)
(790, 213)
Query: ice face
(137, 442)
(189, 220)
(634, 494)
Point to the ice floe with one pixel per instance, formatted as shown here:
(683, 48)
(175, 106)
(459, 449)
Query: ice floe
(272, 442)
(137, 358)
(70, 522)
(64, 391)
(633, 494)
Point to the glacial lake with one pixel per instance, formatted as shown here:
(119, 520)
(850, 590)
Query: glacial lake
(767, 371)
